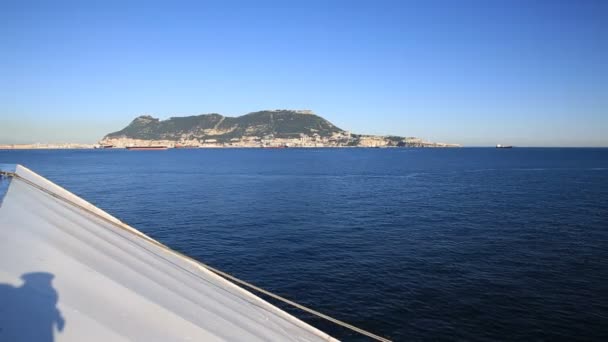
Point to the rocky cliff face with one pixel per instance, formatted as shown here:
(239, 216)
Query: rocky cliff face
(275, 124)
(264, 128)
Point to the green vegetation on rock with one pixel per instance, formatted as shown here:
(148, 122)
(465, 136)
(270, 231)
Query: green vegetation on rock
(278, 124)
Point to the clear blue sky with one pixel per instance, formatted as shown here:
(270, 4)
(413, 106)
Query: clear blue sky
(473, 72)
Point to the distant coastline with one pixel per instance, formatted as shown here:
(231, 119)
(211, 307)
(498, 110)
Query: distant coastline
(278, 128)
(267, 128)
(77, 146)
(41, 146)
(100, 147)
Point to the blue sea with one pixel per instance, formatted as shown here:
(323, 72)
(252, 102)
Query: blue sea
(468, 244)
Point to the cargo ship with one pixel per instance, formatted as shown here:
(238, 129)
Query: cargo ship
(503, 146)
(280, 146)
(146, 148)
(184, 146)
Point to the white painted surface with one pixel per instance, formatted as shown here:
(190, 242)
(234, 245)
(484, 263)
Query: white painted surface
(110, 284)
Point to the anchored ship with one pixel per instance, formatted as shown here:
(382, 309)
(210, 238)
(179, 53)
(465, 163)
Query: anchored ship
(146, 148)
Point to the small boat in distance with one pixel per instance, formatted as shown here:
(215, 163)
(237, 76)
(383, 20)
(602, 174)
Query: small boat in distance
(146, 148)
(503, 146)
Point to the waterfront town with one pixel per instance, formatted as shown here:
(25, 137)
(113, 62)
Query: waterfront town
(336, 140)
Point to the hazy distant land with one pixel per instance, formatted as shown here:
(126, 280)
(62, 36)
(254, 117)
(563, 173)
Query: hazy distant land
(268, 128)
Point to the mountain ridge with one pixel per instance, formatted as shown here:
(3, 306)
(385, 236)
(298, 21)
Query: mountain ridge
(280, 123)
(280, 127)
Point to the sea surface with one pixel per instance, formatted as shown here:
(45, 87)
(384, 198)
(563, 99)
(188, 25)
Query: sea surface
(470, 244)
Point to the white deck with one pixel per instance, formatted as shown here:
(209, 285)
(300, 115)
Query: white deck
(95, 281)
